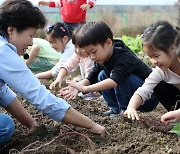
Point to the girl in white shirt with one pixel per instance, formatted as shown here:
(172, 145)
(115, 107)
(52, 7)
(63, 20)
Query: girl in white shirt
(60, 39)
(159, 44)
(173, 116)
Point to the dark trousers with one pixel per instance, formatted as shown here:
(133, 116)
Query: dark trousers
(168, 96)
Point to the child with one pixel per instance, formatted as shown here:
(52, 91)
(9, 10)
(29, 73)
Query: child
(86, 65)
(159, 44)
(60, 39)
(73, 12)
(117, 69)
(19, 21)
(42, 57)
(173, 116)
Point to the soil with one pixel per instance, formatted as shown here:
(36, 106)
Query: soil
(125, 136)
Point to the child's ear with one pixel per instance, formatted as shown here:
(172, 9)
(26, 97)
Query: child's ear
(65, 39)
(109, 42)
(172, 49)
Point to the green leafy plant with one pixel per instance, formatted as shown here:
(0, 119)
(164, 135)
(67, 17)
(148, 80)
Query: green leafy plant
(176, 129)
(135, 44)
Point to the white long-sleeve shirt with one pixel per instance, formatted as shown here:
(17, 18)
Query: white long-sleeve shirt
(157, 75)
(68, 52)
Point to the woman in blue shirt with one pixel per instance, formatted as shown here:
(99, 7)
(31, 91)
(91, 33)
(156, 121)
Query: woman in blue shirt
(19, 21)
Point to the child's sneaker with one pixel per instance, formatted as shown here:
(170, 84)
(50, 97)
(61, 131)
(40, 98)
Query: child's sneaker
(114, 114)
(87, 96)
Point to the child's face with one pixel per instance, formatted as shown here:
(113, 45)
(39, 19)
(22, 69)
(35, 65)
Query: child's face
(21, 40)
(99, 53)
(80, 52)
(158, 57)
(57, 44)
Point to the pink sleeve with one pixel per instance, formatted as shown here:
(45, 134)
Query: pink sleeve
(88, 65)
(72, 63)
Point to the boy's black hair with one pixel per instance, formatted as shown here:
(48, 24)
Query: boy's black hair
(160, 35)
(20, 14)
(92, 33)
(177, 43)
(58, 30)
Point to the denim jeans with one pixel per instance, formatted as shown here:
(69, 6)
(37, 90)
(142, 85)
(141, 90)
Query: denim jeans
(6, 128)
(118, 98)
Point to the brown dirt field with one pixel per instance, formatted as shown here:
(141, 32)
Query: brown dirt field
(125, 136)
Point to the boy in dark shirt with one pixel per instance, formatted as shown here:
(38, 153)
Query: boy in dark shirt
(117, 72)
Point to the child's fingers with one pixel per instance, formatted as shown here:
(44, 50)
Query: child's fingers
(136, 116)
(167, 120)
(83, 7)
(53, 85)
(131, 115)
(71, 83)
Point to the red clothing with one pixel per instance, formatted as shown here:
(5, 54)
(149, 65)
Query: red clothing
(71, 11)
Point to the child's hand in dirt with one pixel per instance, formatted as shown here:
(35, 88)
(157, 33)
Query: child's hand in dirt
(77, 85)
(53, 85)
(172, 116)
(131, 113)
(85, 6)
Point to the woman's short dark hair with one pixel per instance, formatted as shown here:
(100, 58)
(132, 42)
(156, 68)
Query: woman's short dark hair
(20, 14)
(92, 33)
(160, 35)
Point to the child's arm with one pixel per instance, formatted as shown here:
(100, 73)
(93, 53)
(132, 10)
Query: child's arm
(50, 4)
(100, 86)
(45, 75)
(172, 116)
(143, 93)
(62, 73)
(33, 53)
(134, 103)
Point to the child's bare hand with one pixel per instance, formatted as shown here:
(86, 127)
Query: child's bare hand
(131, 113)
(76, 85)
(73, 91)
(172, 116)
(63, 91)
(85, 6)
(53, 85)
(68, 93)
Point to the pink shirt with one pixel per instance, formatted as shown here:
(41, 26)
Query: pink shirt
(157, 75)
(86, 65)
